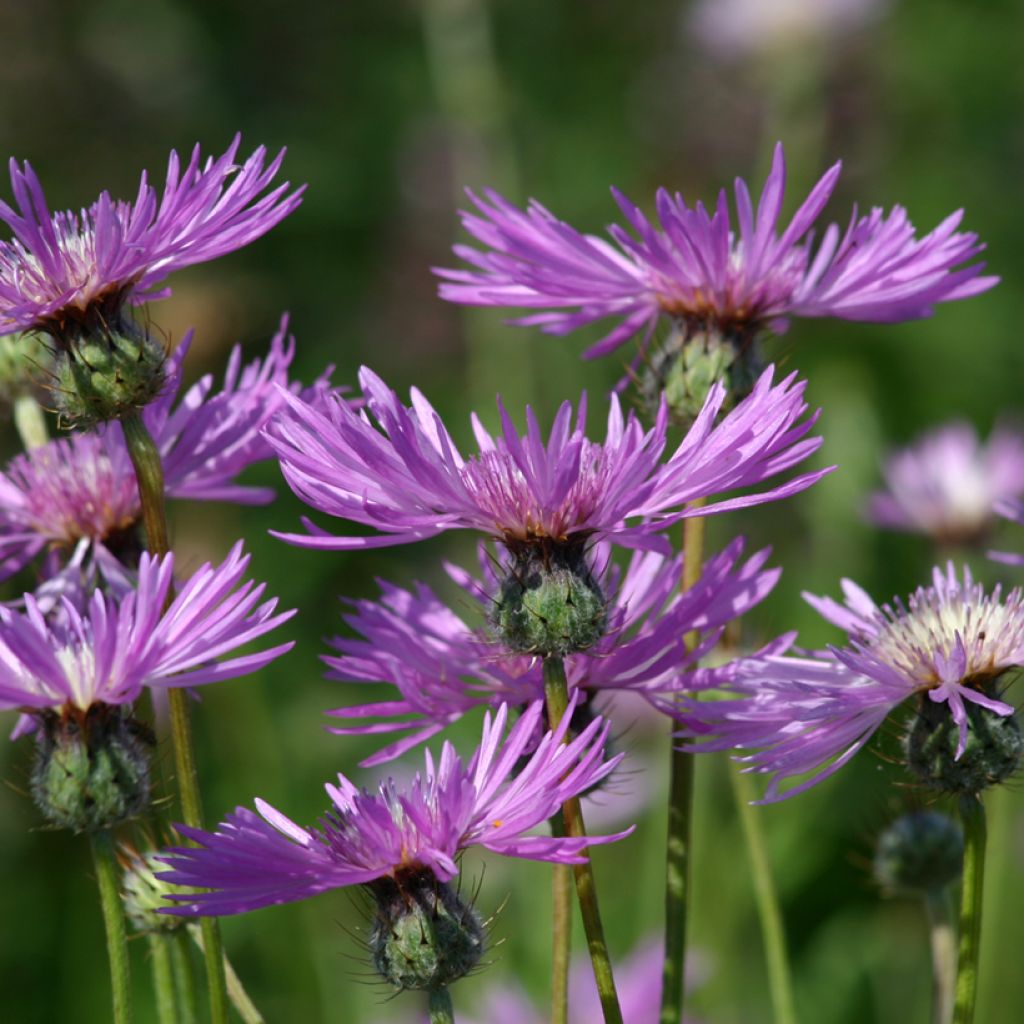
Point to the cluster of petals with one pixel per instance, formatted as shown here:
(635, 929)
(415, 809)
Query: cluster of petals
(696, 266)
(84, 485)
(807, 716)
(405, 477)
(948, 483)
(441, 668)
(109, 650)
(58, 265)
(255, 860)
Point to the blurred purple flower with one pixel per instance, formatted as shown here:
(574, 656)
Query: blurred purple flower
(442, 668)
(949, 642)
(84, 485)
(109, 650)
(947, 483)
(255, 860)
(60, 270)
(408, 481)
(694, 267)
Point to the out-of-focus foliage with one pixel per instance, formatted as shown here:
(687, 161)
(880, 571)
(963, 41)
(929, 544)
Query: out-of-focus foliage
(387, 110)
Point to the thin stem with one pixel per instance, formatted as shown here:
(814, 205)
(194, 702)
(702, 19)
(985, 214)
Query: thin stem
(780, 982)
(440, 1006)
(30, 422)
(240, 1000)
(561, 931)
(972, 814)
(163, 977)
(678, 844)
(184, 979)
(109, 881)
(943, 942)
(150, 475)
(556, 696)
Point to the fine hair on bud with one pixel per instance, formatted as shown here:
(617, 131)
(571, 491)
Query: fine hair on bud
(550, 602)
(991, 754)
(91, 768)
(424, 935)
(691, 359)
(919, 853)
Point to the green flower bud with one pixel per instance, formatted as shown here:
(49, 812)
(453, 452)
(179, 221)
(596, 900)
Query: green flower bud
(992, 754)
(91, 769)
(550, 604)
(919, 853)
(690, 361)
(108, 376)
(143, 893)
(424, 936)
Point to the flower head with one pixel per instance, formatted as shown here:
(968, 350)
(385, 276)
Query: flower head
(947, 484)
(948, 645)
(65, 272)
(407, 479)
(108, 651)
(442, 668)
(698, 268)
(255, 860)
(84, 486)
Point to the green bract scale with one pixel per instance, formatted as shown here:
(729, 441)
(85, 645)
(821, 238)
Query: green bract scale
(550, 604)
(920, 852)
(690, 361)
(143, 893)
(91, 769)
(107, 376)
(424, 936)
(991, 754)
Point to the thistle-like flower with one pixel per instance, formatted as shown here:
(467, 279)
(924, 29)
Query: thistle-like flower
(442, 668)
(948, 646)
(256, 860)
(947, 484)
(70, 273)
(697, 269)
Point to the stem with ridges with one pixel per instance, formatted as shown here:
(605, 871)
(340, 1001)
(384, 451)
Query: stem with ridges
(440, 1006)
(561, 931)
(109, 880)
(150, 476)
(184, 982)
(943, 942)
(556, 698)
(780, 982)
(680, 822)
(163, 977)
(972, 814)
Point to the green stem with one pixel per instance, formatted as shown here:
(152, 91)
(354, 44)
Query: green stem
(184, 979)
(440, 1006)
(240, 1000)
(943, 942)
(561, 931)
(972, 814)
(678, 844)
(30, 422)
(163, 977)
(109, 881)
(780, 982)
(150, 475)
(556, 696)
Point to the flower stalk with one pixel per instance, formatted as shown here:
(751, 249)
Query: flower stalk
(108, 879)
(184, 980)
(942, 935)
(561, 931)
(163, 977)
(972, 815)
(556, 697)
(440, 1006)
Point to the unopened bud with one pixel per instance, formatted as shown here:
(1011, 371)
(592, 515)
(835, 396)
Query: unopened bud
(144, 894)
(424, 935)
(920, 853)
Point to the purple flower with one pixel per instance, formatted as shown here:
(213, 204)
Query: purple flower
(84, 485)
(947, 484)
(108, 651)
(407, 480)
(442, 668)
(255, 860)
(695, 267)
(948, 643)
(60, 269)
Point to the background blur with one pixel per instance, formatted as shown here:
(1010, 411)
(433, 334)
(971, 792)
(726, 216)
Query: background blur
(387, 110)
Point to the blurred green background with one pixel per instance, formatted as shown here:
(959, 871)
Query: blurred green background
(387, 110)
